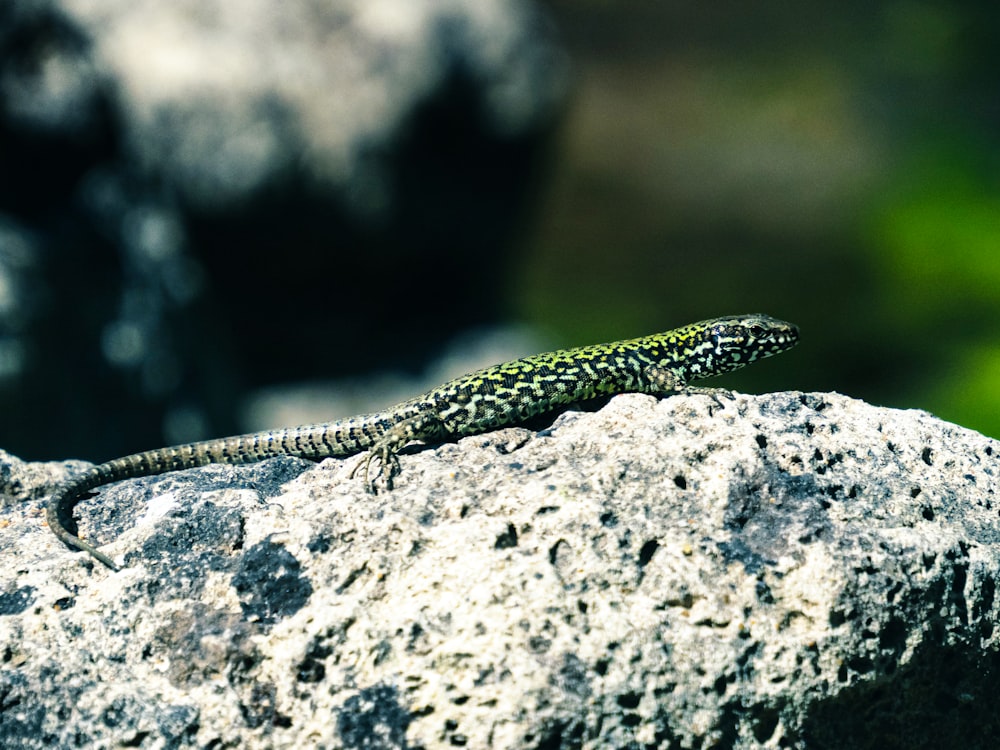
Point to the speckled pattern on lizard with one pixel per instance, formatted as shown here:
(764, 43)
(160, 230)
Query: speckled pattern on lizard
(503, 394)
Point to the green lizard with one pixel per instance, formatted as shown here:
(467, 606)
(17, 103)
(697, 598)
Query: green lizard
(504, 394)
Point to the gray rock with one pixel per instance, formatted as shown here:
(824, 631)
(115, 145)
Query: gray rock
(224, 98)
(787, 570)
(196, 193)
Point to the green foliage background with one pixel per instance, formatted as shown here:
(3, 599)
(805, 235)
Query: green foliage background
(837, 166)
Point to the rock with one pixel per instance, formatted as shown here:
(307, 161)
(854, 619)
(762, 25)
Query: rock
(203, 198)
(787, 570)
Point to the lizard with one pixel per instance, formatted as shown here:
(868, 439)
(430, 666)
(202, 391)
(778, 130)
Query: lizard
(497, 396)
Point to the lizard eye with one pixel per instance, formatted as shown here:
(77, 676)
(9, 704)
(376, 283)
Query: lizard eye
(756, 331)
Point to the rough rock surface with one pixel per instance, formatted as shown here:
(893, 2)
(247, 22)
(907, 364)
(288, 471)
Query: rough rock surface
(787, 570)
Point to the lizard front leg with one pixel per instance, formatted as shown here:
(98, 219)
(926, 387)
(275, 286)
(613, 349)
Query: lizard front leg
(664, 380)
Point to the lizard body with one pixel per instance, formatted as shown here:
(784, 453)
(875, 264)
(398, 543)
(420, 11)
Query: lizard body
(500, 395)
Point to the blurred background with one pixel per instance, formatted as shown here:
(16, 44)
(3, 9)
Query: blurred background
(225, 215)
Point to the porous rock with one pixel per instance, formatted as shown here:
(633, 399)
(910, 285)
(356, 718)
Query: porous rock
(787, 570)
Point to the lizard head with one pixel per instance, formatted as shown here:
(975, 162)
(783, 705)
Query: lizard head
(738, 340)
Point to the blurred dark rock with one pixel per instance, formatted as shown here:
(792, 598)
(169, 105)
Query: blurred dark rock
(200, 198)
